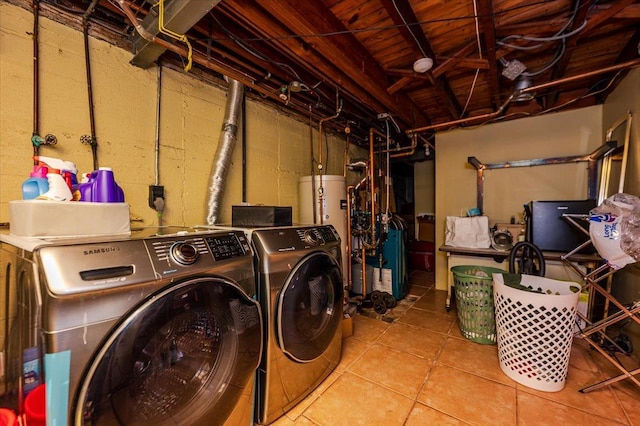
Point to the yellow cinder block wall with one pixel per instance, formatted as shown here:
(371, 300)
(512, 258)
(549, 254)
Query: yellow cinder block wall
(506, 190)
(192, 111)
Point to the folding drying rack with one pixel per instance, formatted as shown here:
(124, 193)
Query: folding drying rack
(595, 332)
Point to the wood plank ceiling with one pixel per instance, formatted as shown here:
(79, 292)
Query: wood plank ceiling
(356, 56)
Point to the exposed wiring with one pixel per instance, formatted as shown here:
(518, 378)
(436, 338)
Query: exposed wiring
(473, 85)
(546, 111)
(559, 35)
(180, 37)
(389, 27)
(586, 95)
(249, 49)
(544, 39)
(475, 78)
(556, 58)
(395, 6)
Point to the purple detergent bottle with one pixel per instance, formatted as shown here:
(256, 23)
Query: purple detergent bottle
(101, 187)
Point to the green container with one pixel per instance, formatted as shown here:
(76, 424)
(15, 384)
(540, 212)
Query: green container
(474, 299)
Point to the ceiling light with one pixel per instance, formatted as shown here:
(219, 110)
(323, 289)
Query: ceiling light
(423, 65)
(523, 82)
(295, 86)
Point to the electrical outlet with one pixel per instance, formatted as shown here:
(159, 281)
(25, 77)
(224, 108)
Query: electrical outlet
(383, 115)
(155, 191)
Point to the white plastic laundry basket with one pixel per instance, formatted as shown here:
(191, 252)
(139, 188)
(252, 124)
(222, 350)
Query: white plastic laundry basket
(535, 328)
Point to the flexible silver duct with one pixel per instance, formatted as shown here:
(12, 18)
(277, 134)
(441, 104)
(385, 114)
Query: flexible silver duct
(222, 160)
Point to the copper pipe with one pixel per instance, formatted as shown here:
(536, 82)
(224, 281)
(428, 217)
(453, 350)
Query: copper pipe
(372, 185)
(346, 155)
(490, 115)
(348, 236)
(629, 64)
(203, 60)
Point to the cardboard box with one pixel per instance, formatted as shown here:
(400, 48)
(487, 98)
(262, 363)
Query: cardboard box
(41, 218)
(426, 229)
(347, 327)
(421, 255)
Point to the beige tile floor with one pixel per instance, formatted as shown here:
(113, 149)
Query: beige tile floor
(419, 370)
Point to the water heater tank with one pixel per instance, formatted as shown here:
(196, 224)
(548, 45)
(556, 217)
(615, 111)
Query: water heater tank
(329, 193)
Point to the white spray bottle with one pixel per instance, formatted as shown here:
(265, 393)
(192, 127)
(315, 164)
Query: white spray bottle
(59, 188)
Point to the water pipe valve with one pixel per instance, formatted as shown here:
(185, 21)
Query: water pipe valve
(49, 139)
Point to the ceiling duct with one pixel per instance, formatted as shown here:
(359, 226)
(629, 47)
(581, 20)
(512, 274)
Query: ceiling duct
(179, 17)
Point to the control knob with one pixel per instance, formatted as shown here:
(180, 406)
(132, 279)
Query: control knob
(184, 253)
(310, 237)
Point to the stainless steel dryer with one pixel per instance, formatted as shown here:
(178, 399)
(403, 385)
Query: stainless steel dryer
(161, 330)
(299, 285)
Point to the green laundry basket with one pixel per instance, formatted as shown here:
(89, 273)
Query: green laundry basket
(474, 300)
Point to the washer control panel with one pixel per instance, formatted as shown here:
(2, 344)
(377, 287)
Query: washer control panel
(173, 253)
(73, 268)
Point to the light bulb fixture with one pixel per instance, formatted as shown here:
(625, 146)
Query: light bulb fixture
(523, 82)
(422, 65)
(295, 86)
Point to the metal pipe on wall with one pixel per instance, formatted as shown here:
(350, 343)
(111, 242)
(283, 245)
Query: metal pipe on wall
(36, 82)
(371, 171)
(93, 142)
(348, 237)
(313, 170)
(320, 165)
(158, 113)
(243, 117)
(222, 160)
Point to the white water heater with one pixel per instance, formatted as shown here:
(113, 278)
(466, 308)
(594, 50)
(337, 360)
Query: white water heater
(329, 193)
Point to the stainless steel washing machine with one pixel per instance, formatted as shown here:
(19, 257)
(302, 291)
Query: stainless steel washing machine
(153, 329)
(299, 285)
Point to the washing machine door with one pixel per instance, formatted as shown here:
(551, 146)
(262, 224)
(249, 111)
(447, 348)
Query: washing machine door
(309, 307)
(187, 356)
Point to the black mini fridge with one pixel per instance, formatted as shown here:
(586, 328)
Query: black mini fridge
(547, 229)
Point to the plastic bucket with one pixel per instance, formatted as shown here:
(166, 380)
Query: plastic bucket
(474, 299)
(535, 320)
(8, 417)
(35, 406)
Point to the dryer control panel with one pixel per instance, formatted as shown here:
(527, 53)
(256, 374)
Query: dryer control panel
(318, 235)
(275, 240)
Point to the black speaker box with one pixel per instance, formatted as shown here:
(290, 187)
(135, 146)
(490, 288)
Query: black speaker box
(547, 229)
(260, 216)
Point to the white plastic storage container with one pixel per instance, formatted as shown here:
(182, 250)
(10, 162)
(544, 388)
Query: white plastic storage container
(42, 218)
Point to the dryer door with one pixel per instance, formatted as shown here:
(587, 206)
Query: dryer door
(309, 307)
(187, 355)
